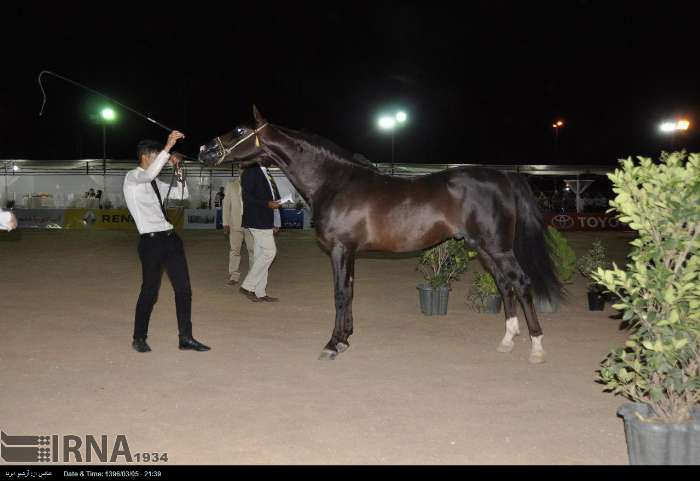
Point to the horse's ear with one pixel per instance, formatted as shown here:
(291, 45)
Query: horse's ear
(259, 120)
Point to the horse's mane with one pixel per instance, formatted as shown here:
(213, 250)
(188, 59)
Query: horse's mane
(329, 148)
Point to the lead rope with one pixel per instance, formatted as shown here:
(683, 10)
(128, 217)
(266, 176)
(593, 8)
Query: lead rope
(179, 173)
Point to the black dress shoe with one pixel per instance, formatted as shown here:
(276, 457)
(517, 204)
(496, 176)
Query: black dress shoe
(189, 343)
(140, 345)
(250, 295)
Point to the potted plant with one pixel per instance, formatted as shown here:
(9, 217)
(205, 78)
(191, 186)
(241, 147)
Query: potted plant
(440, 266)
(483, 295)
(659, 295)
(564, 259)
(594, 259)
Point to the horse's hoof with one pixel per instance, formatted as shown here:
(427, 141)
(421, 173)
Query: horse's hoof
(342, 347)
(536, 358)
(505, 347)
(327, 355)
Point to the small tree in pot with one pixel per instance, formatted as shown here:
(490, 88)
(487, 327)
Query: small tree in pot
(483, 295)
(659, 367)
(440, 266)
(596, 258)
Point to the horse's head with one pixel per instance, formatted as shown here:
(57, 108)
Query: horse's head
(238, 145)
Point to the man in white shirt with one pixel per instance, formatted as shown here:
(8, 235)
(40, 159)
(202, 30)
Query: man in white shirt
(232, 216)
(159, 247)
(8, 221)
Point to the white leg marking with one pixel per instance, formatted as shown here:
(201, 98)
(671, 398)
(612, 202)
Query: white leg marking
(512, 330)
(537, 352)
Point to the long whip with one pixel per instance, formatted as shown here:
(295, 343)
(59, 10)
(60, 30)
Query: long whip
(177, 171)
(77, 84)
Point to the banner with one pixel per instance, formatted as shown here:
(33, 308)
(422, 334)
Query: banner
(109, 219)
(200, 219)
(39, 218)
(292, 218)
(584, 222)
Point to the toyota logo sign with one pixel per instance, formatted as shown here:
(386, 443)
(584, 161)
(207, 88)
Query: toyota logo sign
(563, 221)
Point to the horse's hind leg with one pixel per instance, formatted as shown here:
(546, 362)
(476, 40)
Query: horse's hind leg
(510, 306)
(343, 260)
(521, 282)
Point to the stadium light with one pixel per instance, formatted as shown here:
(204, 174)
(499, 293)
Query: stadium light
(108, 114)
(386, 123)
(389, 123)
(669, 126)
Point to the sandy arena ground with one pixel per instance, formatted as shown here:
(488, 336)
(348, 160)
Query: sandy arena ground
(410, 390)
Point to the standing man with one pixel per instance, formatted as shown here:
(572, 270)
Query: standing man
(232, 221)
(219, 197)
(159, 247)
(260, 196)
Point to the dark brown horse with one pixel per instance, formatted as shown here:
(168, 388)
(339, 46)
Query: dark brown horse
(356, 208)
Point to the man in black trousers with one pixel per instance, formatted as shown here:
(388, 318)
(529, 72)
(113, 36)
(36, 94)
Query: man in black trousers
(159, 247)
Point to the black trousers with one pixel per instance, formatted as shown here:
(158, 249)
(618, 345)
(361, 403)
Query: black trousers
(157, 253)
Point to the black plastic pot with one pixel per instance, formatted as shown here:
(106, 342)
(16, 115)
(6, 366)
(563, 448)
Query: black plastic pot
(660, 443)
(433, 300)
(492, 304)
(596, 301)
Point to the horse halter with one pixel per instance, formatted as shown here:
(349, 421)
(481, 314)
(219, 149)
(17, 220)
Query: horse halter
(225, 151)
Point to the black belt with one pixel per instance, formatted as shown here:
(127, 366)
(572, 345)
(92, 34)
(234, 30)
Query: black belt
(163, 233)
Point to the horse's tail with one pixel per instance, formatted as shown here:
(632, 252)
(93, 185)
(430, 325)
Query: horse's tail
(532, 243)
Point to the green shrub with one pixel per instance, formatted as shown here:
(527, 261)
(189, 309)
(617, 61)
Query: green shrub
(563, 255)
(483, 286)
(596, 258)
(445, 262)
(660, 289)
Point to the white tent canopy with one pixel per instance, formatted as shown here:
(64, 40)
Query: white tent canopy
(64, 182)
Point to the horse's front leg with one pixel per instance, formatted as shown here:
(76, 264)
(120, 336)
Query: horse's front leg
(343, 261)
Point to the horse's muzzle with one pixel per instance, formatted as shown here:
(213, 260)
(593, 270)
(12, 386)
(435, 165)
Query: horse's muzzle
(210, 157)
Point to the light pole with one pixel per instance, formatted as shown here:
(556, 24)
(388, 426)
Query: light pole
(390, 123)
(15, 168)
(108, 115)
(6, 194)
(558, 124)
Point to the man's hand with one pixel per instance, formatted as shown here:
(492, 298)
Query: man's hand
(273, 204)
(175, 159)
(227, 229)
(275, 230)
(174, 136)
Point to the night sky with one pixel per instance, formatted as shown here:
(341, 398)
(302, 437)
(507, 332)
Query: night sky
(482, 83)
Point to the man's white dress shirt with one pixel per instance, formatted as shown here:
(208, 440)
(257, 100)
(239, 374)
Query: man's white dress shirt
(278, 219)
(141, 199)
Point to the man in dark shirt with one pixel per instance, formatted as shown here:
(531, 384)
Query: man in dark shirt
(260, 197)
